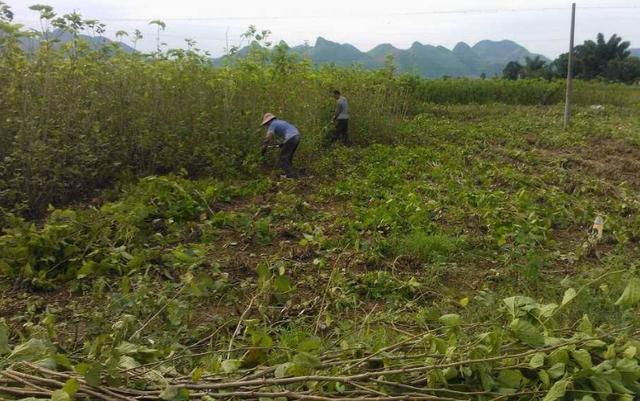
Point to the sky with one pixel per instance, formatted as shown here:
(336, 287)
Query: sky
(541, 26)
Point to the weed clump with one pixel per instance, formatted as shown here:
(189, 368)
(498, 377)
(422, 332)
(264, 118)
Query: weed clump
(427, 248)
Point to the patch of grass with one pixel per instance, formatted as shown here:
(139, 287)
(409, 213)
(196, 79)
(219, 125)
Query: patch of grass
(427, 247)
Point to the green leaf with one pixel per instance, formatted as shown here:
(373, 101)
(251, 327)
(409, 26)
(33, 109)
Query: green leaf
(600, 384)
(630, 352)
(569, 295)
(81, 368)
(127, 348)
(587, 398)
(92, 375)
(230, 365)
(629, 366)
(71, 386)
(282, 284)
(260, 338)
(183, 395)
(544, 377)
(32, 350)
(560, 355)
(595, 344)
(610, 353)
(510, 378)
(631, 294)
(63, 361)
(282, 370)
(197, 373)
(615, 379)
(307, 360)
(486, 380)
(27, 271)
(547, 310)
(5, 269)
(4, 337)
(254, 357)
(87, 269)
(310, 344)
(450, 373)
(60, 395)
(519, 306)
(527, 332)
(127, 362)
(451, 320)
(556, 391)
(537, 361)
(263, 272)
(169, 393)
(585, 325)
(438, 345)
(583, 357)
(557, 370)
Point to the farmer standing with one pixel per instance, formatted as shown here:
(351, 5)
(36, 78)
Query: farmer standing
(341, 117)
(290, 139)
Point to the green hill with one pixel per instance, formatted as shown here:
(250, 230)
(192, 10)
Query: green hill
(486, 57)
(500, 52)
(343, 55)
(61, 37)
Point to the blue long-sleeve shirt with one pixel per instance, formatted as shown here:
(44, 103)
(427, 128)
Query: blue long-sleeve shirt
(282, 129)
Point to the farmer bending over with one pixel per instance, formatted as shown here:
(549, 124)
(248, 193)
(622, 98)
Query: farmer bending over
(290, 139)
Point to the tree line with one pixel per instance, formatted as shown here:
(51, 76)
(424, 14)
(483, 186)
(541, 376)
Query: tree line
(600, 59)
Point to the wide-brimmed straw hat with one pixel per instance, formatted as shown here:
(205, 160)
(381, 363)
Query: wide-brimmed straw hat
(267, 117)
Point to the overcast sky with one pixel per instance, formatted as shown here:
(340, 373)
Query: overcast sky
(541, 26)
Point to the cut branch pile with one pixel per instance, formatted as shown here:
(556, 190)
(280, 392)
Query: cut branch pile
(408, 370)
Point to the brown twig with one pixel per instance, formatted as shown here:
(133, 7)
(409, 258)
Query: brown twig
(368, 375)
(23, 381)
(326, 291)
(381, 350)
(19, 391)
(237, 330)
(81, 381)
(59, 385)
(135, 334)
(300, 396)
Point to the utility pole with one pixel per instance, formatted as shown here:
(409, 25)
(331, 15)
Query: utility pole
(567, 104)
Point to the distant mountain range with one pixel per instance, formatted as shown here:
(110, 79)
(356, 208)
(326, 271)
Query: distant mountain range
(62, 37)
(486, 57)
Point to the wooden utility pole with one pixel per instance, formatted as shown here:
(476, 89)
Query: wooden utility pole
(567, 104)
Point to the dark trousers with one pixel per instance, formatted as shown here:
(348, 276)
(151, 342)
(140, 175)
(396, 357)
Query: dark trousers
(286, 156)
(342, 126)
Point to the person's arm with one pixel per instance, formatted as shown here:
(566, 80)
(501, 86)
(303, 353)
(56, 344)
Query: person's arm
(339, 109)
(266, 141)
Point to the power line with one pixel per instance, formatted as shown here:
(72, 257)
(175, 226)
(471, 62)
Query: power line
(514, 10)
(409, 13)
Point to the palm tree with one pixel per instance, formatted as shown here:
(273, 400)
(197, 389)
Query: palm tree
(534, 67)
(594, 57)
(513, 70)
(612, 49)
